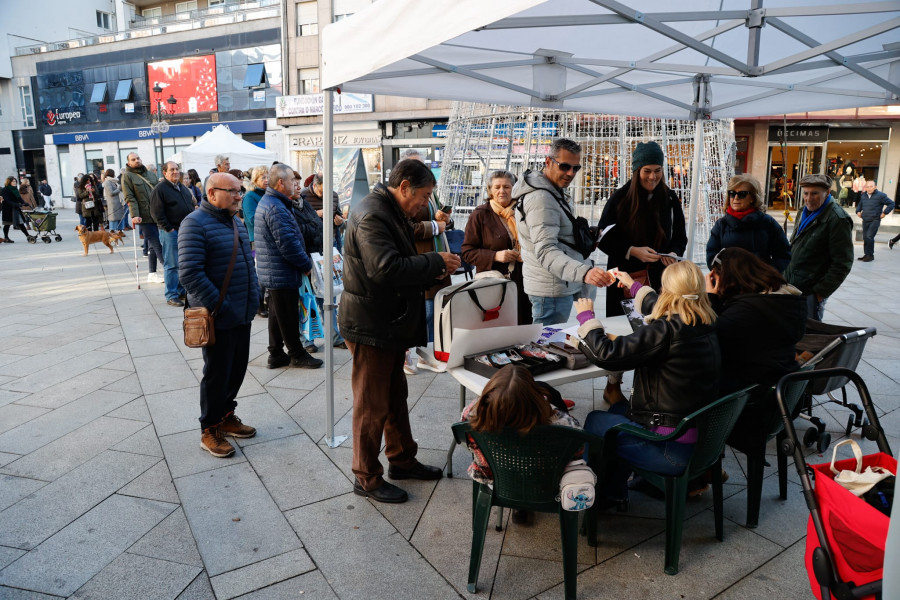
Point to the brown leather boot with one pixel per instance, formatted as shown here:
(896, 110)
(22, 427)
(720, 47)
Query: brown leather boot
(613, 393)
(213, 441)
(231, 425)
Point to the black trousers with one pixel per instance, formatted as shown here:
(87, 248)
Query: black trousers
(224, 367)
(284, 323)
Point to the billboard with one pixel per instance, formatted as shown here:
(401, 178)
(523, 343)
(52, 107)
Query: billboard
(192, 80)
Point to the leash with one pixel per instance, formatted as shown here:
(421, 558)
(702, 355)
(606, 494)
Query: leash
(137, 276)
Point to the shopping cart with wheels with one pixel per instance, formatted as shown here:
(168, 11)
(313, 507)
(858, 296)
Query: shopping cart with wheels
(45, 225)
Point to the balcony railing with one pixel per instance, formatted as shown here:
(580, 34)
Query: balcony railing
(147, 27)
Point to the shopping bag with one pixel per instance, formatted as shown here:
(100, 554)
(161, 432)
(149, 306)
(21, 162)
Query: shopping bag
(856, 531)
(858, 481)
(336, 272)
(310, 323)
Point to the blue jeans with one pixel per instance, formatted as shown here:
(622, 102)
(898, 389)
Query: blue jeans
(126, 220)
(869, 229)
(815, 309)
(169, 241)
(666, 458)
(551, 311)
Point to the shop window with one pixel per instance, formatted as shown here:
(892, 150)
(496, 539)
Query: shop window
(98, 94)
(103, 20)
(256, 76)
(124, 90)
(309, 81)
(307, 18)
(27, 105)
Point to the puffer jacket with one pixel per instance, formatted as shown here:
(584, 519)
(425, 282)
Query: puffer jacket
(138, 184)
(550, 268)
(281, 257)
(383, 303)
(757, 336)
(822, 254)
(205, 244)
(758, 233)
(871, 207)
(248, 205)
(676, 366)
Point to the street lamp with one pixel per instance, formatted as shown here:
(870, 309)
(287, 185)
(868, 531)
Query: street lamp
(162, 126)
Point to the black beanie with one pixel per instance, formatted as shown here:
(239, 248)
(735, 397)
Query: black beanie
(647, 153)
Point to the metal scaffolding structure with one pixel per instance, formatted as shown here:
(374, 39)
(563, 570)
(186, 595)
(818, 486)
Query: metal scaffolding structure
(482, 138)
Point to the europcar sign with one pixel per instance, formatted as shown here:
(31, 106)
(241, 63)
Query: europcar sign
(55, 116)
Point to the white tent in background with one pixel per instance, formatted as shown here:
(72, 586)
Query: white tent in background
(201, 154)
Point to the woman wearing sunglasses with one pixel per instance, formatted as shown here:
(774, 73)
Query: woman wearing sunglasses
(746, 225)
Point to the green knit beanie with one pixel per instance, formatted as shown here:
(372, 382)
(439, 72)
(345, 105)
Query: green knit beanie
(647, 153)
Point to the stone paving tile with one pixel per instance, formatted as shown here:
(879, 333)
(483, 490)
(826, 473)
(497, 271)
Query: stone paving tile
(13, 415)
(53, 425)
(250, 387)
(8, 593)
(520, 577)
(541, 540)
(295, 472)
(310, 411)
(73, 556)
(122, 364)
(38, 516)
(8, 457)
(13, 489)
(129, 383)
(109, 336)
(781, 521)
(74, 388)
(63, 371)
(185, 456)
(154, 484)
(430, 421)
(136, 410)
(143, 442)
(131, 576)
(175, 412)
(170, 540)
(53, 356)
(285, 397)
(344, 532)
(233, 518)
(64, 454)
(7, 396)
(270, 420)
(200, 589)
(299, 379)
(309, 585)
(151, 346)
(262, 574)
(8, 556)
(164, 373)
(781, 577)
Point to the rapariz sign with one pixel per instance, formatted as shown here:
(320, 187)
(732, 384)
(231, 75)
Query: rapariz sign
(56, 116)
(351, 139)
(308, 105)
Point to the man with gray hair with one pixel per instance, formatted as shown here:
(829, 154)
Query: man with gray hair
(170, 203)
(281, 261)
(554, 270)
(223, 165)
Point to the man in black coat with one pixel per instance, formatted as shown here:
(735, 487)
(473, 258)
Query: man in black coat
(382, 314)
(170, 203)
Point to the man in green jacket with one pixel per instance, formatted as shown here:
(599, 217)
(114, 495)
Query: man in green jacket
(821, 245)
(138, 184)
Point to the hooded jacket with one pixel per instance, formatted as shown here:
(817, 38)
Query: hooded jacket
(550, 268)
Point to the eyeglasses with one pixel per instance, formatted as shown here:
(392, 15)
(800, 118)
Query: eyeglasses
(740, 194)
(566, 166)
(230, 191)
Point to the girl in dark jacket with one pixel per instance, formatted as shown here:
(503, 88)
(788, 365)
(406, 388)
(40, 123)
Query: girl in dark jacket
(677, 365)
(746, 225)
(12, 209)
(90, 192)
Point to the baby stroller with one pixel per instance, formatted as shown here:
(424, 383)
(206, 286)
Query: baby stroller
(846, 536)
(45, 225)
(831, 346)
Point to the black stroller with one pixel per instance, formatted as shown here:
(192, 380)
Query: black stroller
(831, 346)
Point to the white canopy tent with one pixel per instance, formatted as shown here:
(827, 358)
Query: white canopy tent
(696, 60)
(220, 140)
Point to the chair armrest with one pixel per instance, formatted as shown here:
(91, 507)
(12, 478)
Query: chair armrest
(645, 434)
(460, 430)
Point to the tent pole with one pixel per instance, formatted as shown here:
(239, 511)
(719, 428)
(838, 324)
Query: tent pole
(699, 117)
(328, 256)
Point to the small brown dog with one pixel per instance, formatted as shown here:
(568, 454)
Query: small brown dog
(117, 237)
(92, 237)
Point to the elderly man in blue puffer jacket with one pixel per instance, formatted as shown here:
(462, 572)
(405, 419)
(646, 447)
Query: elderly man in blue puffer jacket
(206, 243)
(281, 261)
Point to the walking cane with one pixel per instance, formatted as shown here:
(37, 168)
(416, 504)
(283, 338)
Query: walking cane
(137, 276)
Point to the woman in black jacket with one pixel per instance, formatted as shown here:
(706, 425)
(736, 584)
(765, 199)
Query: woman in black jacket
(12, 209)
(677, 365)
(90, 193)
(746, 225)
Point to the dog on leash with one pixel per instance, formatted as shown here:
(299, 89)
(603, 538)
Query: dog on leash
(117, 237)
(92, 237)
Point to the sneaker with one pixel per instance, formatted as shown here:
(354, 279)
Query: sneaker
(278, 361)
(155, 278)
(307, 362)
(891, 244)
(409, 364)
(213, 441)
(175, 302)
(408, 370)
(232, 426)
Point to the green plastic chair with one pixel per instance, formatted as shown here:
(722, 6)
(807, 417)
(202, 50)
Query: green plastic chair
(755, 427)
(714, 423)
(527, 469)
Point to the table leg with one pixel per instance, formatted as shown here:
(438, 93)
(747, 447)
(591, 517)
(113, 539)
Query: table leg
(462, 405)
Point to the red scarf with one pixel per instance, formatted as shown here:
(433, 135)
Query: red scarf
(739, 215)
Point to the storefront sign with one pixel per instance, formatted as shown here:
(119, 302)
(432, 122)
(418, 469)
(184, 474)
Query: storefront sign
(314, 104)
(341, 139)
(192, 130)
(798, 133)
(55, 116)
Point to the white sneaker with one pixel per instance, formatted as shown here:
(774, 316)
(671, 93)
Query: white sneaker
(408, 370)
(155, 278)
(409, 364)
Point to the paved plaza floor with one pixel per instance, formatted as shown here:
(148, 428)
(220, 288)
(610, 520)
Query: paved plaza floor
(106, 493)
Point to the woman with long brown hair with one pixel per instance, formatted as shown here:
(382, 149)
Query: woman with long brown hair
(90, 193)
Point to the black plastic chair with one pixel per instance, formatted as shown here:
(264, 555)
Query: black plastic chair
(759, 423)
(714, 423)
(526, 469)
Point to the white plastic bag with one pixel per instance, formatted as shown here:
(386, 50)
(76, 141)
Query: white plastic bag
(857, 482)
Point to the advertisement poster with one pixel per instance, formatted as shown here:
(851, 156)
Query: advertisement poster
(191, 80)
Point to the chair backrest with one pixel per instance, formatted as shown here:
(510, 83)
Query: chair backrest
(527, 468)
(714, 423)
(793, 393)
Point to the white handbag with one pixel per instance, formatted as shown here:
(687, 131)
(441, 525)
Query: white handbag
(857, 482)
(478, 304)
(576, 486)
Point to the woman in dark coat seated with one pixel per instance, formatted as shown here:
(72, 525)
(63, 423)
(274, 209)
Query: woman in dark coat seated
(746, 225)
